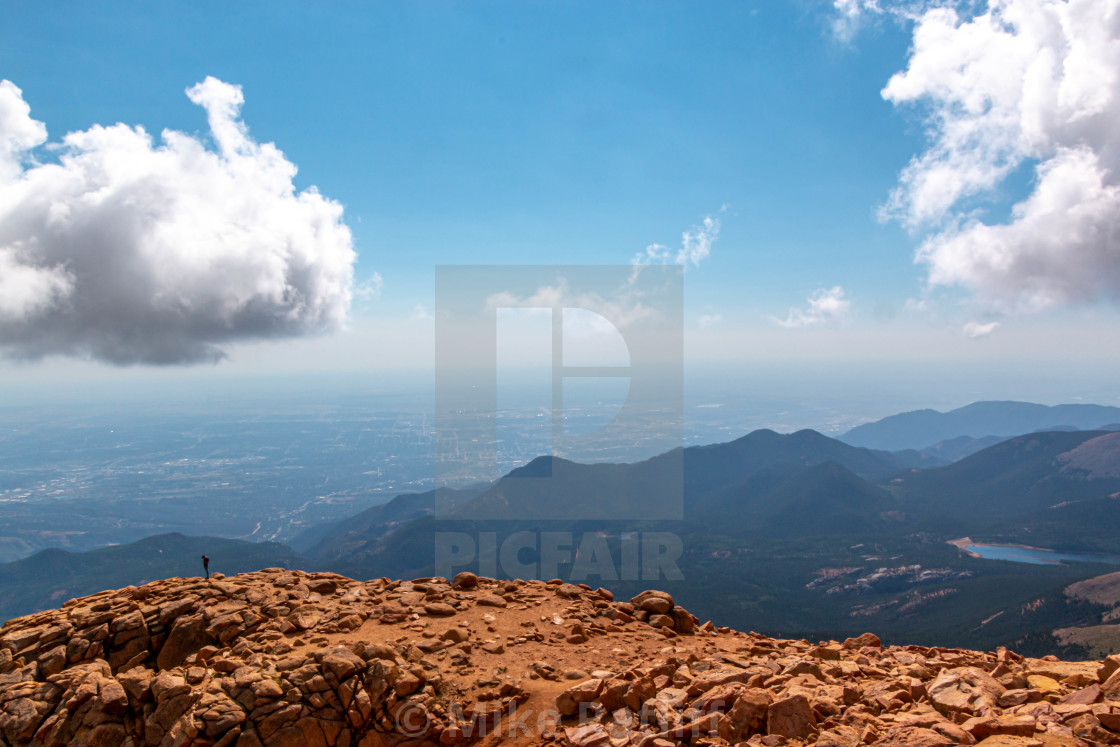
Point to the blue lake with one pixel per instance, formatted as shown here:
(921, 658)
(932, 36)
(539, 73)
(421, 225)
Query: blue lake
(1039, 556)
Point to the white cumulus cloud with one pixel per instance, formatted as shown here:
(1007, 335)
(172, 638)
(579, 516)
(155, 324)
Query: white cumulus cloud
(826, 305)
(19, 133)
(131, 251)
(1021, 84)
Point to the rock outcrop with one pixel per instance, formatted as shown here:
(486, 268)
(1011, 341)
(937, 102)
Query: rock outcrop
(291, 658)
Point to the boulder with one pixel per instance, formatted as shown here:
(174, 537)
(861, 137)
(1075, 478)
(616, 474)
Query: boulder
(747, 715)
(188, 635)
(589, 735)
(913, 736)
(964, 690)
(464, 580)
(791, 718)
(439, 609)
(652, 601)
(568, 702)
(866, 639)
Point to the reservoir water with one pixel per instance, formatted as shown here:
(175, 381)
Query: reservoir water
(1038, 556)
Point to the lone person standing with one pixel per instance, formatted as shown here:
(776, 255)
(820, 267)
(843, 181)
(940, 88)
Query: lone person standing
(206, 565)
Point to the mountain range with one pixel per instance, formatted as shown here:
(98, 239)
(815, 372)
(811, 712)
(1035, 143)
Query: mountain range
(922, 429)
(797, 533)
(50, 577)
(800, 484)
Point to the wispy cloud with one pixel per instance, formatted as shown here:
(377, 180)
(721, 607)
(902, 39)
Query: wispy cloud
(709, 320)
(131, 252)
(370, 288)
(978, 329)
(624, 308)
(850, 15)
(825, 306)
(696, 246)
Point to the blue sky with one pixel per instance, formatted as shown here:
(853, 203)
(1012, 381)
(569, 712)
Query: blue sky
(581, 132)
(535, 132)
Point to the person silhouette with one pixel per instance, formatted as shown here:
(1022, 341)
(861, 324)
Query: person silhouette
(206, 565)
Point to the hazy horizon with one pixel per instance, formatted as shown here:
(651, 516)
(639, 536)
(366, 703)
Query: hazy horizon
(861, 204)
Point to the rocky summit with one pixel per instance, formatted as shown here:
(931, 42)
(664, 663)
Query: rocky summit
(288, 658)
